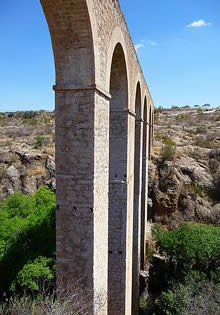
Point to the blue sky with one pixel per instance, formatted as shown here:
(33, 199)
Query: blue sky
(177, 44)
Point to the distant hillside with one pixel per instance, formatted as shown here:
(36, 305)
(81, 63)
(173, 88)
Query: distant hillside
(26, 152)
(184, 181)
(184, 174)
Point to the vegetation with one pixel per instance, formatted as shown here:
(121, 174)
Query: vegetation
(158, 110)
(39, 141)
(187, 280)
(203, 143)
(27, 264)
(201, 129)
(76, 302)
(168, 150)
(183, 117)
(196, 189)
(27, 242)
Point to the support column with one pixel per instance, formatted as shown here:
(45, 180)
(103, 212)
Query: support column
(118, 215)
(82, 156)
(137, 215)
(144, 195)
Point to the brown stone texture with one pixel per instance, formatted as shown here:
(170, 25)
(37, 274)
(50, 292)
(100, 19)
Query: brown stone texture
(103, 123)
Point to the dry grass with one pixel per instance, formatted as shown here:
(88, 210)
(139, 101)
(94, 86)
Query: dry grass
(49, 150)
(73, 300)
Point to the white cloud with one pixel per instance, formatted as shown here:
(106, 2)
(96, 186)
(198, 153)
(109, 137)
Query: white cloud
(152, 43)
(199, 23)
(140, 44)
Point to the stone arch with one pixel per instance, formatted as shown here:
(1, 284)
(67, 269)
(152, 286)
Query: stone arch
(118, 133)
(137, 197)
(135, 84)
(116, 39)
(72, 40)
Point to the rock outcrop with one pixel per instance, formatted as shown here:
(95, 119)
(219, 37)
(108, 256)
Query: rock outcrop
(184, 185)
(26, 152)
(184, 173)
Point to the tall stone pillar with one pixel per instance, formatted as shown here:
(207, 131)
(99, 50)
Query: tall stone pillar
(82, 155)
(137, 215)
(144, 195)
(119, 284)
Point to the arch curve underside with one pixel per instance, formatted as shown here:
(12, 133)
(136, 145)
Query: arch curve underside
(104, 127)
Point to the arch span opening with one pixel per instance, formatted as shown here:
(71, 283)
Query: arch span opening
(144, 187)
(137, 199)
(118, 138)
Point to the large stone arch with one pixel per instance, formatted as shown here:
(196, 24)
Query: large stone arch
(116, 38)
(95, 111)
(118, 160)
(72, 40)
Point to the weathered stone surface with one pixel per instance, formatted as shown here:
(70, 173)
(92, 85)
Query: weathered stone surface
(99, 191)
(97, 75)
(185, 188)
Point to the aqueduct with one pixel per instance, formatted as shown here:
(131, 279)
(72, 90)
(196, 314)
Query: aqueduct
(103, 139)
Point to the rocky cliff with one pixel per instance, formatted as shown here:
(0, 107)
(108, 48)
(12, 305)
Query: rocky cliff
(184, 173)
(26, 152)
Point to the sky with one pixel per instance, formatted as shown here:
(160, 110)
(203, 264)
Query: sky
(177, 42)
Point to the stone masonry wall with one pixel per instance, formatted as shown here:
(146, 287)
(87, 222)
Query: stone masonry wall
(97, 75)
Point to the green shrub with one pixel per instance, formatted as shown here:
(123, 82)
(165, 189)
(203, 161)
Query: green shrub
(187, 281)
(169, 141)
(30, 121)
(196, 189)
(191, 246)
(168, 150)
(39, 141)
(204, 143)
(35, 276)
(196, 295)
(200, 111)
(27, 231)
(183, 117)
(4, 121)
(201, 129)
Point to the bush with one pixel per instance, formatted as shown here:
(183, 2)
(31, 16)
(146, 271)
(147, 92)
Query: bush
(27, 231)
(30, 121)
(168, 150)
(191, 246)
(197, 295)
(196, 189)
(188, 280)
(203, 143)
(36, 276)
(201, 129)
(74, 302)
(183, 117)
(39, 141)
